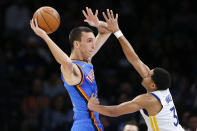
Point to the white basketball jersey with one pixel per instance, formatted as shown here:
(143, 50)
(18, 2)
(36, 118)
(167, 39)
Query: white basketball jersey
(166, 119)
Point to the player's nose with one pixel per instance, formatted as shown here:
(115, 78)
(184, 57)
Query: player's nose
(93, 45)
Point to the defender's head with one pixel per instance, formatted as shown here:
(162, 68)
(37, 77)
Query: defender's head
(131, 126)
(82, 40)
(157, 79)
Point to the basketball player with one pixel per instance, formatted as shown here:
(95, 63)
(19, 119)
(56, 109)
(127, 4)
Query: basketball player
(77, 70)
(156, 106)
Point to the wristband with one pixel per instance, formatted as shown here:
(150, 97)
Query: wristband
(118, 34)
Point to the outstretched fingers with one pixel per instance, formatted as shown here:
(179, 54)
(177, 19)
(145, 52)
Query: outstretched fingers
(89, 11)
(105, 17)
(84, 13)
(96, 13)
(112, 15)
(108, 14)
(116, 17)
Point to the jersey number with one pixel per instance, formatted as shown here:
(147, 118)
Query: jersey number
(175, 115)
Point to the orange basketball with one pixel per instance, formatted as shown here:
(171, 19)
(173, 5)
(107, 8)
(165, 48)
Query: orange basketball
(48, 19)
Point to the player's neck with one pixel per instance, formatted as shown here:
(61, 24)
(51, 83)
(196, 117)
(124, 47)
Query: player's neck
(77, 56)
(150, 90)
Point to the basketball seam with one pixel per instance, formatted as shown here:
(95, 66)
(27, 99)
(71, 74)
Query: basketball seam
(58, 20)
(46, 22)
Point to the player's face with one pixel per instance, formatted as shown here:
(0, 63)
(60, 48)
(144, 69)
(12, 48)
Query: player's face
(130, 128)
(147, 81)
(87, 44)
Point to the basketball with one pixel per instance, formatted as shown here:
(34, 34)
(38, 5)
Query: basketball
(48, 19)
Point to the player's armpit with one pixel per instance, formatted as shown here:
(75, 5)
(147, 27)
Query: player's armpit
(71, 73)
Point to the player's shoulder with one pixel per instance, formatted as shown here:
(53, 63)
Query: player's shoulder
(145, 99)
(146, 96)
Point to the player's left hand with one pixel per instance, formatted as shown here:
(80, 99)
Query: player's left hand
(92, 102)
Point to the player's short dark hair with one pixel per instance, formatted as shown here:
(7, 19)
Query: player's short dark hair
(161, 78)
(75, 34)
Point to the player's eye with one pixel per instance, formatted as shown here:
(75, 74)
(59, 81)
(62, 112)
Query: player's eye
(89, 40)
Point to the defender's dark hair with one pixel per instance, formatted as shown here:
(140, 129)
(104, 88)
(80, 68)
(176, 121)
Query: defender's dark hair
(75, 34)
(161, 78)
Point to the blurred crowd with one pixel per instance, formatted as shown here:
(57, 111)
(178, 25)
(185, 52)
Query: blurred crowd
(32, 96)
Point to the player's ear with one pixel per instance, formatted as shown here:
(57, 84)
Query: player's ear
(76, 44)
(154, 86)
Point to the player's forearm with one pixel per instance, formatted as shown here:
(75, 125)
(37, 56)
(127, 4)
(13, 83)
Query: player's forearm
(132, 57)
(111, 111)
(100, 40)
(128, 49)
(58, 54)
(102, 37)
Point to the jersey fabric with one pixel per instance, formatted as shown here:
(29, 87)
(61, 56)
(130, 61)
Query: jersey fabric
(166, 119)
(84, 119)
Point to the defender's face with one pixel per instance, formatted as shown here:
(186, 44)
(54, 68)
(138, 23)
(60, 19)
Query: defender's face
(147, 81)
(87, 44)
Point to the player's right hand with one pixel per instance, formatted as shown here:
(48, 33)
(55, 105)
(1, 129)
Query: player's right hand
(90, 18)
(38, 31)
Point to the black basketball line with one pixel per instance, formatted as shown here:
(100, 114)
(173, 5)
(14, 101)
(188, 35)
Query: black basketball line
(58, 20)
(46, 22)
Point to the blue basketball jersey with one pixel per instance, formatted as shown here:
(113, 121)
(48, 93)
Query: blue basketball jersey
(80, 95)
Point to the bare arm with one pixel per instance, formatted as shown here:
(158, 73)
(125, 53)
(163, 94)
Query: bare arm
(67, 66)
(101, 38)
(113, 111)
(112, 25)
(132, 57)
(103, 34)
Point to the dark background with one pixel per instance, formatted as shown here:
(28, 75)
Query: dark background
(32, 96)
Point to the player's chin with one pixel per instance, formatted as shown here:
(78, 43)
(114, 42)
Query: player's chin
(89, 54)
(143, 84)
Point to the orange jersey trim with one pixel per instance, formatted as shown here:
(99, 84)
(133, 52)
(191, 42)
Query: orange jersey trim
(82, 73)
(95, 123)
(83, 93)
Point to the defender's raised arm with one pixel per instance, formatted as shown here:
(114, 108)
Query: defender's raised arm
(112, 26)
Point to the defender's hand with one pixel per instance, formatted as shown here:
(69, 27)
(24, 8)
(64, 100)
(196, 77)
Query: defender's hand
(112, 23)
(92, 102)
(38, 31)
(102, 27)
